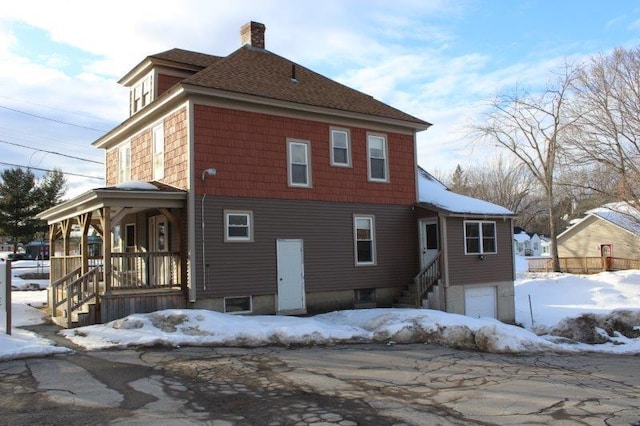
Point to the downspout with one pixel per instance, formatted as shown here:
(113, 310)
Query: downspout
(205, 172)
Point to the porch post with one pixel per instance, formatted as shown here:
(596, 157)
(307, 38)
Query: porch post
(85, 221)
(106, 247)
(66, 243)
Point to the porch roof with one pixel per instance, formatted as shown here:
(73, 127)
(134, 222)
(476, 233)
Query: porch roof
(133, 197)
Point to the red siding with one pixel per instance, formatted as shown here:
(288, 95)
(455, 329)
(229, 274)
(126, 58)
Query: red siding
(249, 151)
(165, 82)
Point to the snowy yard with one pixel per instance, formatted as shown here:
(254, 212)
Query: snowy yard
(558, 302)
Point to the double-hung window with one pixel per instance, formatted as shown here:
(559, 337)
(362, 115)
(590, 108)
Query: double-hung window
(340, 148)
(377, 166)
(299, 162)
(158, 151)
(364, 239)
(479, 237)
(141, 93)
(238, 226)
(124, 163)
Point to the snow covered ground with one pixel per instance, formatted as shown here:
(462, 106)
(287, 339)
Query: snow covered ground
(555, 322)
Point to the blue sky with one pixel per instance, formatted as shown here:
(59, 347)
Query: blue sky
(439, 60)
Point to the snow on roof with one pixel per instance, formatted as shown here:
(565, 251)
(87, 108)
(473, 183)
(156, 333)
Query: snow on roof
(433, 192)
(621, 214)
(136, 185)
(521, 237)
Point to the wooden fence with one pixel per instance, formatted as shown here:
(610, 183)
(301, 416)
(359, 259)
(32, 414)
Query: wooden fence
(583, 265)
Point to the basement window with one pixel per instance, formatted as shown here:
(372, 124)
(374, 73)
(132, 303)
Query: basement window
(238, 305)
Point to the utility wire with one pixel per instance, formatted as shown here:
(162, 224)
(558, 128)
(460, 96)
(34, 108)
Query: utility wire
(51, 152)
(52, 119)
(49, 170)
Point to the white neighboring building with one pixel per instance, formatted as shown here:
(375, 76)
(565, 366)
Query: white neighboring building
(522, 244)
(536, 245)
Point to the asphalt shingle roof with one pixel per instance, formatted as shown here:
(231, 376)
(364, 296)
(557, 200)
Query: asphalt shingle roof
(259, 72)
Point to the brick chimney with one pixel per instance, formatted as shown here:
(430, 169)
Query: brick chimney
(252, 33)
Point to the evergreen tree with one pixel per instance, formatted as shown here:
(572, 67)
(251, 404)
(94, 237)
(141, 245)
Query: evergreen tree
(22, 198)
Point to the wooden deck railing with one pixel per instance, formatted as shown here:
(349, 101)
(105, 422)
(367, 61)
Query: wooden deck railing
(427, 278)
(145, 270)
(583, 265)
(83, 290)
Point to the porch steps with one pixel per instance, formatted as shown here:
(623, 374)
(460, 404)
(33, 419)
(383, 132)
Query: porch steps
(407, 299)
(82, 317)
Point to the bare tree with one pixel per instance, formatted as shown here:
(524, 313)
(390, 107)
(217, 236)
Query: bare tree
(505, 183)
(533, 127)
(607, 105)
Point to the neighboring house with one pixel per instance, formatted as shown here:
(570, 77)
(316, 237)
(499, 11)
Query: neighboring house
(522, 244)
(251, 184)
(536, 245)
(545, 246)
(611, 230)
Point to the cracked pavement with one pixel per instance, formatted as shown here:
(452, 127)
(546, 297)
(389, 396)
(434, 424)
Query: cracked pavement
(340, 385)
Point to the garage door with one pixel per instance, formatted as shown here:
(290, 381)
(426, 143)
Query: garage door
(480, 302)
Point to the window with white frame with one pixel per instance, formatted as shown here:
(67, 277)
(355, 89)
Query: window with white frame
(340, 148)
(364, 239)
(238, 226)
(140, 94)
(124, 163)
(479, 237)
(378, 167)
(157, 146)
(299, 162)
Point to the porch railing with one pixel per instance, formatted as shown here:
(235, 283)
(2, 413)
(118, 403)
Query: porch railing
(427, 278)
(59, 289)
(74, 290)
(145, 270)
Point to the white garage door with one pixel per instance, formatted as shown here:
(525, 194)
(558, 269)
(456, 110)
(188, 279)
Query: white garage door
(480, 302)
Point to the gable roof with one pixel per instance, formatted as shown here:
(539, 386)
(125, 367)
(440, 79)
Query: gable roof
(186, 57)
(261, 73)
(433, 194)
(621, 214)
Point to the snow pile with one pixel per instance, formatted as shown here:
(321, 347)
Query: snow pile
(571, 313)
(199, 327)
(29, 274)
(136, 185)
(22, 343)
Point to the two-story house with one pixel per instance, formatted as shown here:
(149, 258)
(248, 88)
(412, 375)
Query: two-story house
(246, 184)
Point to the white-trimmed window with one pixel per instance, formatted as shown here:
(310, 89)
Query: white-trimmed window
(238, 226)
(377, 163)
(299, 162)
(141, 94)
(124, 163)
(340, 148)
(479, 237)
(157, 146)
(238, 305)
(364, 237)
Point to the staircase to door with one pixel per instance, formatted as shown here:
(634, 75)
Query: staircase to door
(423, 288)
(75, 298)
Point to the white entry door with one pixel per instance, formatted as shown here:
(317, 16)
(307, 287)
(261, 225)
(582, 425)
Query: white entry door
(290, 276)
(480, 302)
(429, 246)
(159, 270)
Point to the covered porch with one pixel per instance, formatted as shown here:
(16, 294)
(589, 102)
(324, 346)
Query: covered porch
(116, 251)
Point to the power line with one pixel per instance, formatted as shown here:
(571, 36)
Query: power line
(49, 170)
(52, 152)
(52, 119)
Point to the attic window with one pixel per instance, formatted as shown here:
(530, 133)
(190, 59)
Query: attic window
(141, 94)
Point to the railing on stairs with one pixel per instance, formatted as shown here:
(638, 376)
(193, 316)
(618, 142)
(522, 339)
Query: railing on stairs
(74, 290)
(427, 278)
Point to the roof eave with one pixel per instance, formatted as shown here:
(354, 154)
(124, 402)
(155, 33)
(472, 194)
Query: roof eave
(450, 213)
(417, 125)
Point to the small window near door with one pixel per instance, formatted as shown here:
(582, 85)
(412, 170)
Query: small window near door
(480, 237)
(432, 236)
(238, 226)
(238, 305)
(130, 236)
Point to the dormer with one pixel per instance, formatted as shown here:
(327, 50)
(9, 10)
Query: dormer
(148, 80)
